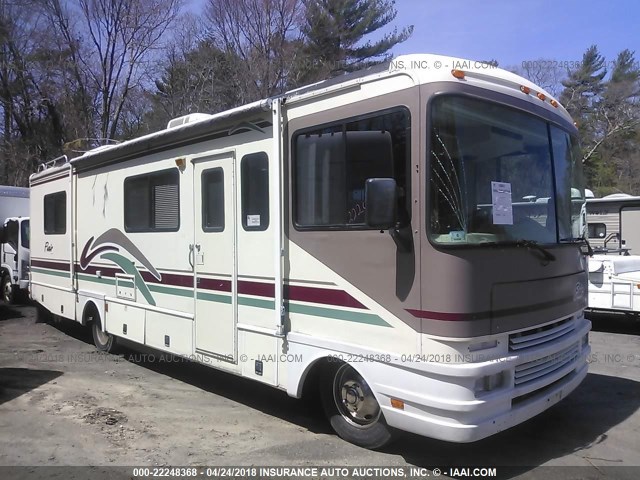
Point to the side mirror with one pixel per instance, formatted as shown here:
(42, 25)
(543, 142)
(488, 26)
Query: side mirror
(381, 196)
(3, 234)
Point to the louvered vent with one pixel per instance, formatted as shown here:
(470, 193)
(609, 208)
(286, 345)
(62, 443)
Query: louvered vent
(541, 335)
(166, 208)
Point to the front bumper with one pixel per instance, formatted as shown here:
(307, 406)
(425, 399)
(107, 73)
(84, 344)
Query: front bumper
(441, 401)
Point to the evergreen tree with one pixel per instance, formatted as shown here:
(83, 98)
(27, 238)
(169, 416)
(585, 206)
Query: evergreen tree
(581, 95)
(334, 32)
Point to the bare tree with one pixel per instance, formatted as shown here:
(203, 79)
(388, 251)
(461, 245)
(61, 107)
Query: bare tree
(262, 36)
(121, 37)
(547, 73)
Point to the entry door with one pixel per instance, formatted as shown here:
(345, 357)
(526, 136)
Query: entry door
(214, 257)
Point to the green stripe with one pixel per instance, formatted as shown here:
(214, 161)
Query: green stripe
(349, 316)
(336, 314)
(256, 302)
(91, 278)
(55, 273)
(214, 297)
(170, 290)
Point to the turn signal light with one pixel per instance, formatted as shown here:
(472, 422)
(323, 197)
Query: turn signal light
(399, 404)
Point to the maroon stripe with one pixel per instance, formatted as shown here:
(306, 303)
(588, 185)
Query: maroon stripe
(258, 289)
(214, 284)
(51, 265)
(321, 295)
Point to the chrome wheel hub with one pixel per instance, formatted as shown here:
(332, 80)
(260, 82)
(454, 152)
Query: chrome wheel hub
(354, 399)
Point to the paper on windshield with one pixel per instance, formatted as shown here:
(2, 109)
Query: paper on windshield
(501, 200)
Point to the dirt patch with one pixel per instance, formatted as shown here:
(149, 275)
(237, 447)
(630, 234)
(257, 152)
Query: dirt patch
(107, 416)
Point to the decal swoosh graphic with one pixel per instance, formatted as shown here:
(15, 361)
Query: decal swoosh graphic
(128, 267)
(86, 259)
(114, 235)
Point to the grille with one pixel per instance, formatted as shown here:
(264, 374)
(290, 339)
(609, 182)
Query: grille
(540, 335)
(545, 366)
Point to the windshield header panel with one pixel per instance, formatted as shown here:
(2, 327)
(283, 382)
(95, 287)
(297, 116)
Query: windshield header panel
(499, 175)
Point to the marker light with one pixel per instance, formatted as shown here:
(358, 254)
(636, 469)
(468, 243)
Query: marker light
(399, 404)
(541, 96)
(554, 103)
(459, 74)
(524, 89)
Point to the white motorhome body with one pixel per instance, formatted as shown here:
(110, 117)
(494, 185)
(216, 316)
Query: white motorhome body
(251, 241)
(614, 223)
(14, 248)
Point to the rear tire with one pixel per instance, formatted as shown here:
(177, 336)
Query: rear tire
(8, 295)
(351, 407)
(105, 342)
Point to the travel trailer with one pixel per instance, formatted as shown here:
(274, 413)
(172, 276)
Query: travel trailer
(614, 284)
(376, 236)
(14, 242)
(614, 223)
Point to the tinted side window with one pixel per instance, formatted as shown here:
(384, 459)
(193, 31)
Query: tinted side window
(213, 200)
(254, 169)
(152, 202)
(333, 162)
(55, 213)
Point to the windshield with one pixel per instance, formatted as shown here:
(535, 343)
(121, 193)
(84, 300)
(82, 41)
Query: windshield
(25, 233)
(501, 175)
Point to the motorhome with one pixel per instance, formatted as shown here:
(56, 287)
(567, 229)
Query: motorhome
(14, 242)
(614, 223)
(376, 236)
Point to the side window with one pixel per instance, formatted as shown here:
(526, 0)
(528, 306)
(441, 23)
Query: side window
(213, 200)
(152, 202)
(597, 230)
(254, 170)
(55, 213)
(333, 162)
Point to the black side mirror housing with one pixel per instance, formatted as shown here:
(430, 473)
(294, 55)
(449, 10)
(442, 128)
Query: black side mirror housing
(381, 196)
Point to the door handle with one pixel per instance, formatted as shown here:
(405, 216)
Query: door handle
(191, 254)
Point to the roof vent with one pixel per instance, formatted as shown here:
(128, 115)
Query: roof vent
(191, 118)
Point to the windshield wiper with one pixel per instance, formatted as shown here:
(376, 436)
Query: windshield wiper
(582, 241)
(528, 244)
(550, 257)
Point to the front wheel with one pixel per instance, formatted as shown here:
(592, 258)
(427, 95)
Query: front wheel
(7, 290)
(105, 342)
(352, 408)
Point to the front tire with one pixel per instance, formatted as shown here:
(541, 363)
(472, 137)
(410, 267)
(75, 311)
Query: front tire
(8, 295)
(352, 408)
(105, 342)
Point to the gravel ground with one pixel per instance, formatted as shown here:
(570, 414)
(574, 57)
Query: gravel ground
(63, 403)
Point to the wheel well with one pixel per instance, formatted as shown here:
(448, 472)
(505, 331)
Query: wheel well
(90, 313)
(311, 380)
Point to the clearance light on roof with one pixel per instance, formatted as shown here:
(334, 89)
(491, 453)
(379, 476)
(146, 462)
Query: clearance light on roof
(541, 96)
(459, 74)
(554, 103)
(524, 89)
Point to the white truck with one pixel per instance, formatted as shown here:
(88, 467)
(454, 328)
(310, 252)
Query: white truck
(14, 242)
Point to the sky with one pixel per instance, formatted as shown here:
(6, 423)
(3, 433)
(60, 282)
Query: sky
(513, 31)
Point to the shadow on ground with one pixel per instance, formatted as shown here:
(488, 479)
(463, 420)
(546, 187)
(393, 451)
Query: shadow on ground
(18, 381)
(9, 312)
(614, 322)
(578, 422)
